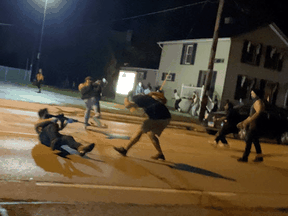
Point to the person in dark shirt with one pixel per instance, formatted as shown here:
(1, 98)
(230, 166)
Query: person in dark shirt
(231, 120)
(48, 132)
(159, 118)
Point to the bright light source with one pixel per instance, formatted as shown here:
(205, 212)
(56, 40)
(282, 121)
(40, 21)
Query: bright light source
(125, 82)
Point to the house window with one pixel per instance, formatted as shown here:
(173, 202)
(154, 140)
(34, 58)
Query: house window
(244, 86)
(170, 77)
(251, 53)
(273, 59)
(142, 75)
(188, 54)
(202, 79)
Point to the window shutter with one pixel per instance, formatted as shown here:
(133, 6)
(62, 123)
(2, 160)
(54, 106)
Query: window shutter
(183, 55)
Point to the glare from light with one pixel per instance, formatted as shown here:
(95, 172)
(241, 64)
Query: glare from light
(125, 82)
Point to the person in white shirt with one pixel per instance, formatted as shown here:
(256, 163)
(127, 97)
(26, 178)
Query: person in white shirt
(177, 100)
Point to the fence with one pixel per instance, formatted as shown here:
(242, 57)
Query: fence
(14, 75)
(187, 92)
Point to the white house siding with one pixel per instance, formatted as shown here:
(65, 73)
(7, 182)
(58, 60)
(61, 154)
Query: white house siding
(188, 74)
(265, 36)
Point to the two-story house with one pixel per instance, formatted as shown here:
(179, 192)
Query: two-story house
(254, 59)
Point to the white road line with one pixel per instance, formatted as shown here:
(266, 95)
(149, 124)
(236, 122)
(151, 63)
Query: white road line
(111, 187)
(14, 132)
(27, 203)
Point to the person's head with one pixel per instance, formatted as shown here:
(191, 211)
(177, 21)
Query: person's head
(159, 96)
(40, 71)
(42, 113)
(175, 90)
(256, 93)
(140, 84)
(88, 79)
(228, 106)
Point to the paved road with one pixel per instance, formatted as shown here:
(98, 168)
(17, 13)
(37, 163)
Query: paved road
(195, 174)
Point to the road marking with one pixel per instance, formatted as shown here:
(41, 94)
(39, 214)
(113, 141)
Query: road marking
(27, 203)
(111, 187)
(14, 132)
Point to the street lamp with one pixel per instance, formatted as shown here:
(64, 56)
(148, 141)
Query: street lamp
(41, 37)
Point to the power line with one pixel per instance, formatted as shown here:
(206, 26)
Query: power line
(157, 12)
(192, 28)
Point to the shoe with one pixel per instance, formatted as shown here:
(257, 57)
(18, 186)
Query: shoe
(226, 145)
(242, 159)
(158, 156)
(97, 115)
(55, 144)
(214, 143)
(86, 125)
(221, 145)
(121, 150)
(258, 159)
(84, 149)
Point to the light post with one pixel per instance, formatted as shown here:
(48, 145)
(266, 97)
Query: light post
(41, 37)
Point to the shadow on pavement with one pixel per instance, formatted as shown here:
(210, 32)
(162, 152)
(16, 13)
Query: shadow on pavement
(188, 168)
(50, 161)
(109, 135)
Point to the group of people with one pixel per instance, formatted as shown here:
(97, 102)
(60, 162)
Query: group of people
(193, 103)
(262, 122)
(153, 103)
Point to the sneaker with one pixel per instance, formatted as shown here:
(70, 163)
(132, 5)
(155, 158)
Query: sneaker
(158, 156)
(242, 159)
(97, 115)
(214, 143)
(226, 145)
(121, 150)
(258, 159)
(84, 149)
(221, 145)
(86, 125)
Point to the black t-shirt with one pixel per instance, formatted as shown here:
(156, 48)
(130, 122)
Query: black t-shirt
(153, 108)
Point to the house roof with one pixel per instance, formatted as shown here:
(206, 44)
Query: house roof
(273, 26)
(191, 41)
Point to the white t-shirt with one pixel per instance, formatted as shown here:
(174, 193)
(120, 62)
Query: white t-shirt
(176, 96)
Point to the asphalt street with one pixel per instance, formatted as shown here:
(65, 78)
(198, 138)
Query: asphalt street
(195, 175)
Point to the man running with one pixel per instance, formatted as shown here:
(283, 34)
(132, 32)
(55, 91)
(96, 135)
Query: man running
(159, 117)
(48, 131)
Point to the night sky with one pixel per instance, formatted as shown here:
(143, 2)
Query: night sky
(76, 31)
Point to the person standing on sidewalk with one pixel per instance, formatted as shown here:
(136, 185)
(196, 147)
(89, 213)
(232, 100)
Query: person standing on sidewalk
(88, 95)
(159, 117)
(39, 80)
(48, 132)
(231, 120)
(255, 126)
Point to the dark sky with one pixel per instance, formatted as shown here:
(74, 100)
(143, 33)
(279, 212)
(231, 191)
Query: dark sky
(75, 29)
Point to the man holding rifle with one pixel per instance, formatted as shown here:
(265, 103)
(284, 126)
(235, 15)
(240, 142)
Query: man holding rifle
(48, 131)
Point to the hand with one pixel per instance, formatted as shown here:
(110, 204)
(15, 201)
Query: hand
(240, 125)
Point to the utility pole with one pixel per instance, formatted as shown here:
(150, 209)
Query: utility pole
(211, 61)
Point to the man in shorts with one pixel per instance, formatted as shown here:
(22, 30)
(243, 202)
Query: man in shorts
(159, 118)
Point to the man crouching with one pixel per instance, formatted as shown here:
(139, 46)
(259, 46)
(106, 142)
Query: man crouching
(48, 133)
(159, 117)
